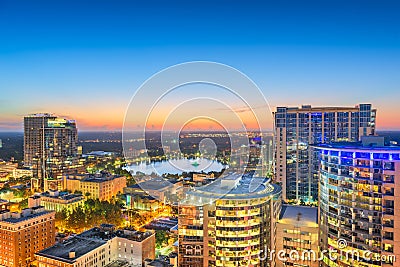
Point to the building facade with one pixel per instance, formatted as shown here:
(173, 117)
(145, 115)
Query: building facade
(231, 228)
(50, 145)
(59, 201)
(101, 186)
(360, 202)
(297, 235)
(296, 166)
(100, 247)
(23, 234)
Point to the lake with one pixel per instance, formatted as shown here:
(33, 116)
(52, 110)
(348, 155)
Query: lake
(177, 166)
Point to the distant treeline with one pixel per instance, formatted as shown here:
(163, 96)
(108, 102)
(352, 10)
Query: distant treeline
(12, 142)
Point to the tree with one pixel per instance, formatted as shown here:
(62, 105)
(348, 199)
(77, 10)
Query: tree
(61, 219)
(161, 238)
(77, 219)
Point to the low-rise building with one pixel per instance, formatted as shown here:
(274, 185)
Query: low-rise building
(11, 168)
(138, 199)
(8, 166)
(201, 177)
(101, 186)
(59, 201)
(21, 173)
(99, 247)
(159, 188)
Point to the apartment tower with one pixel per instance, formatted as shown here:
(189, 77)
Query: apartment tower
(296, 166)
(50, 145)
(359, 205)
(232, 228)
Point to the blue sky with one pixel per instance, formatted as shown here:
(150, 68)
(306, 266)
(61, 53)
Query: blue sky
(85, 59)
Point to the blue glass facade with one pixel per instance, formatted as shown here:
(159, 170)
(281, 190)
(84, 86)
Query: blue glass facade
(357, 202)
(296, 165)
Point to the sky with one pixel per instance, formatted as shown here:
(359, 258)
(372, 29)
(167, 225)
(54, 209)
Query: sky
(85, 59)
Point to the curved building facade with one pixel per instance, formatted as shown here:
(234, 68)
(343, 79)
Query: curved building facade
(233, 229)
(359, 203)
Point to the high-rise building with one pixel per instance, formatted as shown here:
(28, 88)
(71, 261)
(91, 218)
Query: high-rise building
(231, 228)
(297, 235)
(296, 128)
(359, 202)
(25, 233)
(101, 247)
(50, 145)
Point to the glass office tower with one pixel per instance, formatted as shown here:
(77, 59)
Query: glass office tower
(296, 128)
(359, 204)
(50, 145)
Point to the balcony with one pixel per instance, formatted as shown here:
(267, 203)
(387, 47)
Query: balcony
(360, 218)
(346, 215)
(361, 230)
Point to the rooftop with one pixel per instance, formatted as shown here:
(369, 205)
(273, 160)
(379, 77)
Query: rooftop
(88, 241)
(369, 146)
(97, 178)
(310, 108)
(154, 184)
(40, 115)
(118, 263)
(31, 213)
(77, 244)
(246, 187)
(62, 195)
(299, 215)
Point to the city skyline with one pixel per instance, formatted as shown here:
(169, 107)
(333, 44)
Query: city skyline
(199, 133)
(85, 61)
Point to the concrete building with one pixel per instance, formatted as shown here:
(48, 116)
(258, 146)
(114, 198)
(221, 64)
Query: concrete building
(50, 145)
(137, 196)
(297, 232)
(18, 173)
(12, 170)
(101, 186)
(158, 188)
(231, 224)
(296, 166)
(23, 234)
(100, 247)
(7, 166)
(360, 202)
(201, 177)
(59, 201)
(141, 201)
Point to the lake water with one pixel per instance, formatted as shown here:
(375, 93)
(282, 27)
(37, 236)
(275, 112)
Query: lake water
(177, 166)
